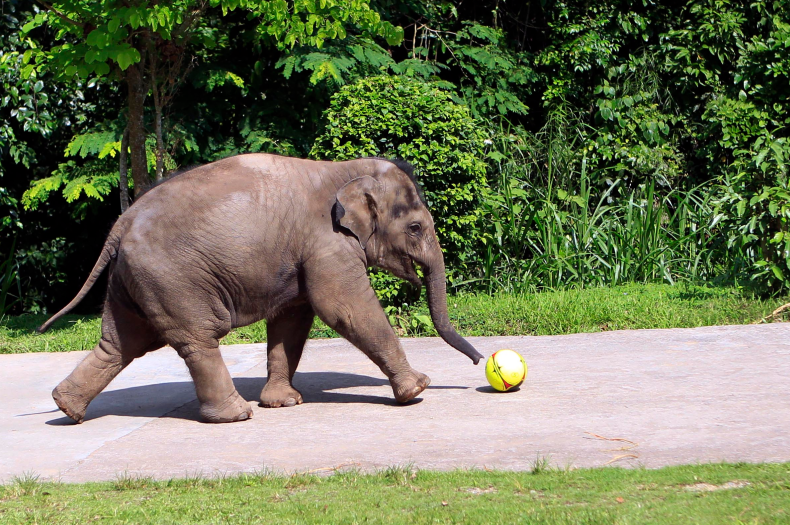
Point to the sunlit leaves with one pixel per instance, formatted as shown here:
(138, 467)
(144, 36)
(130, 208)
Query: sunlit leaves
(101, 144)
(115, 32)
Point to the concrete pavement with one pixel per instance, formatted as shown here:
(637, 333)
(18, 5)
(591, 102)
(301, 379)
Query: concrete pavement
(676, 396)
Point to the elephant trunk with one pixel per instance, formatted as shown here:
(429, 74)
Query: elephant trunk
(437, 303)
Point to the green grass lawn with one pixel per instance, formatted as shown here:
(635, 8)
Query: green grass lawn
(548, 313)
(704, 494)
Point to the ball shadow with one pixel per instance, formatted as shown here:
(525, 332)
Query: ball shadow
(492, 390)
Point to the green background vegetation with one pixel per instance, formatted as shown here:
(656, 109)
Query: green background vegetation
(560, 143)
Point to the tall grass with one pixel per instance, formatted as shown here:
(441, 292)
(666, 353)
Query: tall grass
(550, 221)
(8, 278)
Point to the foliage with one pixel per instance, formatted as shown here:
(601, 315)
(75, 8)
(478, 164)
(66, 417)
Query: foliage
(686, 102)
(685, 97)
(42, 270)
(106, 31)
(750, 132)
(416, 121)
(24, 106)
(145, 45)
(546, 226)
(352, 57)
(636, 126)
(94, 178)
(495, 79)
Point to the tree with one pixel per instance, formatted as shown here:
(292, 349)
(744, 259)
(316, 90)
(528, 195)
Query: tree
(142, 45)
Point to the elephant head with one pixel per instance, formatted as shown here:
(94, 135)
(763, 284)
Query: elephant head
(388, 215)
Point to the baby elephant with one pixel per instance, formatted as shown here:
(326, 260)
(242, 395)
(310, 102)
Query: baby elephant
(257, 237)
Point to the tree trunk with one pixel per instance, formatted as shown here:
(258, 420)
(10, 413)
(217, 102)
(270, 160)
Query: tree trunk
(123, 178)
(137, 92)
(160, 147)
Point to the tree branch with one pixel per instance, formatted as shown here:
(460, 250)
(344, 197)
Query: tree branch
(60, 15)
(191, 17)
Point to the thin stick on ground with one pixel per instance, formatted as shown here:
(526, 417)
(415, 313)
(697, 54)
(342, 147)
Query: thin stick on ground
(773, 315)
(333, 469)
(622, 456)
(631, 445)
(596, 436)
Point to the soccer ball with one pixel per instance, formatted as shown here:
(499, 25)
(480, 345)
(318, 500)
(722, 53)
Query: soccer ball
(505, 370)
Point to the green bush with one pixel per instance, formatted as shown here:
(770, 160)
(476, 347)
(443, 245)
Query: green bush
(416, 121)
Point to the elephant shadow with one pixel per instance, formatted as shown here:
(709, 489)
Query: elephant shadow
(159, 399)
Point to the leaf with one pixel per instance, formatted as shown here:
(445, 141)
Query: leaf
(95, 38)
(39, 191)
(134, 19)
(741, 207)
(27, 72)
(101, 68)
(87, 144)
(127, 57)
(424, 319)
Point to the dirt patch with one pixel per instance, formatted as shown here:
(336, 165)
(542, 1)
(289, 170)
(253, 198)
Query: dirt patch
(478, 490)
(707, 487)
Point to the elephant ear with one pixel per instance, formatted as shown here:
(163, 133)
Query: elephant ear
(357, 208)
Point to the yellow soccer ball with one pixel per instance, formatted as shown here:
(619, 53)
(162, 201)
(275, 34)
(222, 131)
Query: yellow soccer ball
(505, 370)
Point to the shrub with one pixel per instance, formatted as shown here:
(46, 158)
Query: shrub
(416, 121)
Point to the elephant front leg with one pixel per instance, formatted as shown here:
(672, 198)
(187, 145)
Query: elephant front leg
(344, 300)
(286, 335)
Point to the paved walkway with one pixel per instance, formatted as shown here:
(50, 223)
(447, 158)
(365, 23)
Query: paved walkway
(677, 396)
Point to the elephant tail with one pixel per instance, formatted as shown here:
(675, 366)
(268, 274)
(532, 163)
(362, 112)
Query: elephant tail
(109, 251)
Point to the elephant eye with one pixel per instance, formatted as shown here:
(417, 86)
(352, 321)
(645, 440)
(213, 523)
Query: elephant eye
(415, 227)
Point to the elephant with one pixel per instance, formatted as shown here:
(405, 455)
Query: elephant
(253, 237)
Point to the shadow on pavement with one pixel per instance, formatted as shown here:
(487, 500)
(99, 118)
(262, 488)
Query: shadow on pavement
(162, 399)
(492, 390)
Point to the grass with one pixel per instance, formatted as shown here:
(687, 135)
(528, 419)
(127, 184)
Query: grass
(602, 309)
(547, 313)
(701, 494)
(554, 219)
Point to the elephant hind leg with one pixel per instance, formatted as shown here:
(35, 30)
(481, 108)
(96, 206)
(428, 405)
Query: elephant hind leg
(194, 329)
(286, 335)
(125, 336)
(219, 400)
(92, 375)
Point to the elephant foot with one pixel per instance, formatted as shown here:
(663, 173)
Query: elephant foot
(72, 404)
(234, 408)
(276, 395)
(409, 385)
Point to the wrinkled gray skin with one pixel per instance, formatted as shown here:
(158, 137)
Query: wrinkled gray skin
(260, 237)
